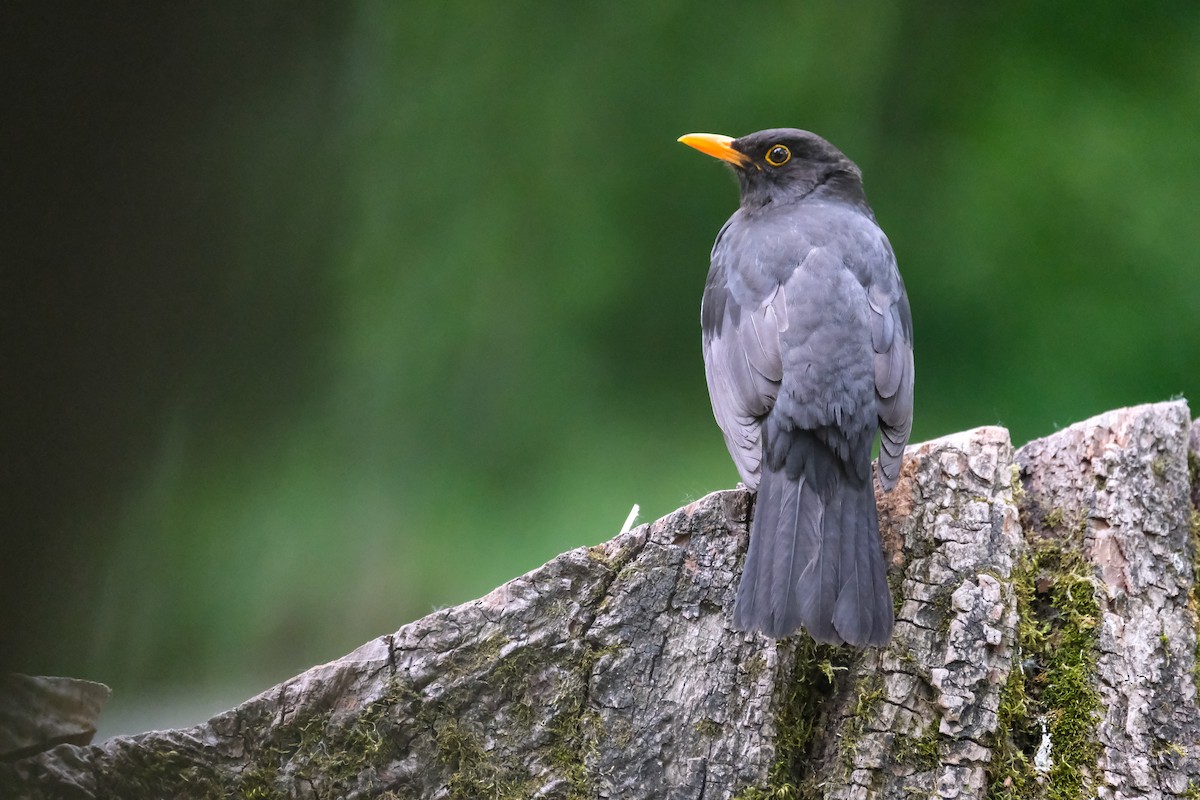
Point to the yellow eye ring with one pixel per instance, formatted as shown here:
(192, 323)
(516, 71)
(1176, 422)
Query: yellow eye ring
(778, 155)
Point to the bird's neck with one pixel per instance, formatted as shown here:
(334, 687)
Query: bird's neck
(838, 185)
(845, 187)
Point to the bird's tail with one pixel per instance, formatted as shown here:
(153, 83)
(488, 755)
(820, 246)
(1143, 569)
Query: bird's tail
(815, 560)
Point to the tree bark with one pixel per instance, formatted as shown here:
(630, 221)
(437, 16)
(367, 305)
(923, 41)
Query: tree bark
(1114, 491)
(1045, 646)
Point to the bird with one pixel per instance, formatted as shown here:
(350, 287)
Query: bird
(808, 354)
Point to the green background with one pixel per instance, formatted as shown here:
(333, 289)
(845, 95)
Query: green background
(320, 317)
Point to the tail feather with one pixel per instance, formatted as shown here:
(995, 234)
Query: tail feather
(767, 597)
(815, 560)
(819, 582)
(863, 612)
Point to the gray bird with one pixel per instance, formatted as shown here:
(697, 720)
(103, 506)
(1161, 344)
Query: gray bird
(808, 351)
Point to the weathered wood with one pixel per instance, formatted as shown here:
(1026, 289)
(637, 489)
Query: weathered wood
(1057, 664)
(37, 713)
(610, 671)
(1113, 492)
(1194, 463)
(914, 720)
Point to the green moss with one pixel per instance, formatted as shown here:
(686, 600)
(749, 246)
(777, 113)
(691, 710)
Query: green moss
(260, 782)
(1174, 749)
(331, 755)
(1016, 485)
(1055, 518)
(867, 694)
(1057, 641)
(328, 756)
(942, 607)
(481, 655)
(576, 730)
(475, 773)
(754, 666)
(1159, 467)
(921, 752)
(708, 728)
(573, 731)
(1011, 773)
(812, 681)
(510, 679)
(599, 554)
(575, 735)
(160, 771)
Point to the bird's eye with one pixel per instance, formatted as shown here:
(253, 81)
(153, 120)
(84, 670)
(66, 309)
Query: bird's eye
(778, 155)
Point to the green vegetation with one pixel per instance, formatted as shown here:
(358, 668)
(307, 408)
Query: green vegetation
(920, 752)
(1050, 686)
(868, 691)
(329, 756)
(814, 679)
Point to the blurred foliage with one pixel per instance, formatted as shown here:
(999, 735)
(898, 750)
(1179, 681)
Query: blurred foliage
(319, 320)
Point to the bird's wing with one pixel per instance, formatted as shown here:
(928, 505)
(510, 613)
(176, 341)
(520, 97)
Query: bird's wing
(743, 366)
(892, 341)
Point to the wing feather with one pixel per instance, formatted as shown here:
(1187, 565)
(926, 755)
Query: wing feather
(891, 338)
(743, 366)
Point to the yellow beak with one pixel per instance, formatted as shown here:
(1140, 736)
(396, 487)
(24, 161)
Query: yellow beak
(717, 146)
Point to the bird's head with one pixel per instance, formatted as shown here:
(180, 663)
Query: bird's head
(783, 164)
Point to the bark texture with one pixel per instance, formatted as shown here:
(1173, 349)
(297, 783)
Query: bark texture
(1114, 491)
(915, 720)
(1045, 646)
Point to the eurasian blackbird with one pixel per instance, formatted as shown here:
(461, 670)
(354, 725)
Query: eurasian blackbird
(807, 338)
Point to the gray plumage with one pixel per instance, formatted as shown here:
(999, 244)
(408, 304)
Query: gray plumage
(807, 340)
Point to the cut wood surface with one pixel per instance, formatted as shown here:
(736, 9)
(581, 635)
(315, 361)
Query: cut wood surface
(38, 712)
(1045, 646)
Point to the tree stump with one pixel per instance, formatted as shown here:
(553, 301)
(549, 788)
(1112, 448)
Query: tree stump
(1108, 506)
(1045, 646)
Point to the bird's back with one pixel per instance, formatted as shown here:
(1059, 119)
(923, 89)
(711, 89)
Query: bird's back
(808, 352)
